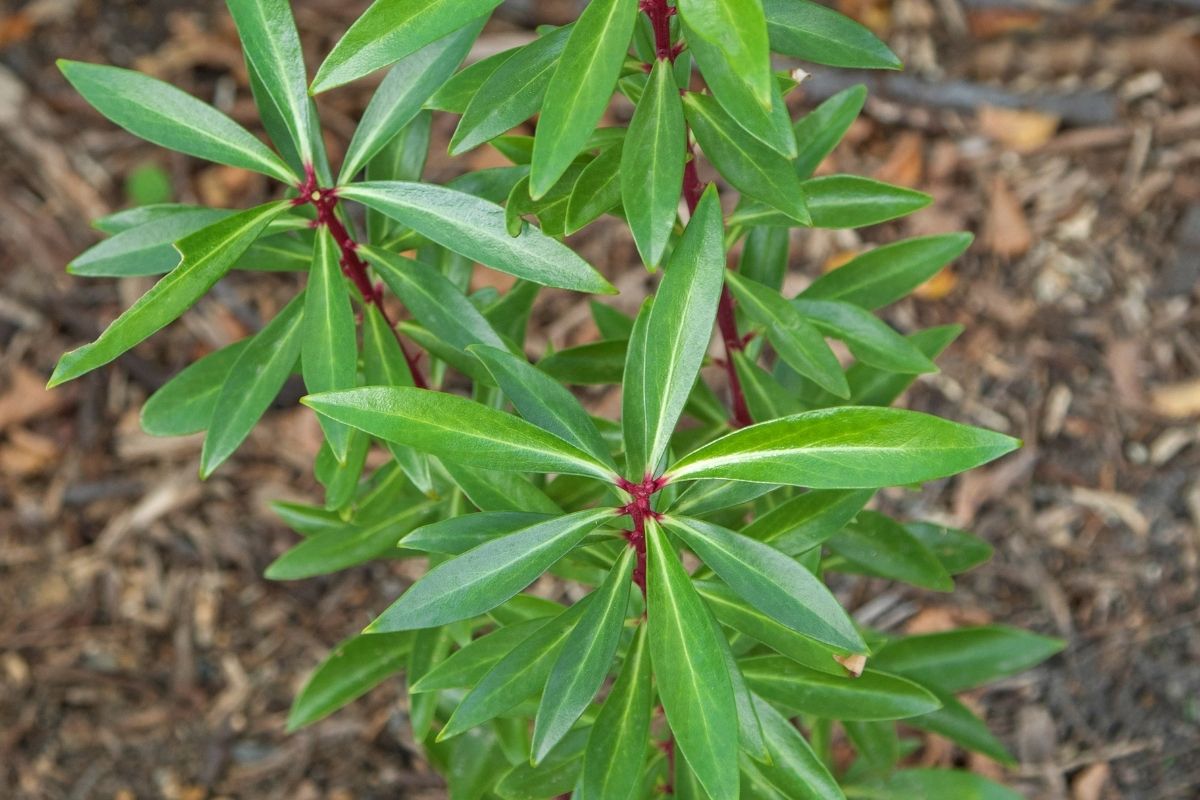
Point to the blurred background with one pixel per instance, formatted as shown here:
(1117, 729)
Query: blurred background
(142, 654)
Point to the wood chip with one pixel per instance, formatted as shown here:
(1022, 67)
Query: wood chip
(1006, 231)
(1177, 400)
(1020, 130)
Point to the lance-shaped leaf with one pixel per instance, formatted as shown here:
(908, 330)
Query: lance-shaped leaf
(160, 113)
(405, 89)
(492, 490)
(272, 47)
(465, 667)
(329, 356)
(693, 680)
(753, 168)
(483, 578)
(885, 274)
(353, 544)
(962, 659)
(144, 249)
(654, 163)
(433, 300)
(878, 545)
(592, 364)
(185, 403)
(543, 401)
(253, 383)
(663, 362)
(580, 89)
(849, 201)
(869, 338)
(808, 520)
(455, 429)
(585, 659)
(936, 784)
(355, 666)
(770, 581)
(596, 191)
(794, 770)
(737, 29)
(475, 228)
(383, 361)
(552, 777)
(511, 94)
(960, 725)
(750, 732)
(871, 696)
(456, 93)
(459, 534)
(819, 131)
(765, 256)
(390, 30)
(812, 32)
(795, 339)
(958, 550)
(521, 673)
(207, 255)
(616, 748)
(845, 448)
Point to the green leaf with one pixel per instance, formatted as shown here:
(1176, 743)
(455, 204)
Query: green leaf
(753, 168)
(885, 274)
(160, 113)
(585, 659)
(962, 659)
(592, 364)
(737, 29)
(819, 131)
(935, 784)
(336, 550)
(491, 490)
(390, 30)
(464, 668)
(848, 201)
(401, 159)
(129, 218)
(616, 748)
(486, 576)
(871, 696)
(307, 520)
(958, 550)
(433, 300)
(596, 191)
(807, 520)
(877, 745)
(705, 497)
(878, 387)
(356, 666)
(960, 725)
(765, 256)
(207, 255)
(383, 361)
(144, 249)
(878, 545)
(340, 478)
(869, 339)
(552, 777)
(693, 680)
(766, 398)
(795, 339)
(400, 97)
(475, 228)
(580, 88)
(254, 381)
(272, 47)
(750, 732)
(845, 448)
(329, 354)
(812, 32)
(456, 93)
(455, 429)
(795, 771)
(511, 94)
(457, 535)
(770, 581)
(655, 156)
(663, 363)
(185, 403)
(730, 610)
(519, 674)
(544, 402)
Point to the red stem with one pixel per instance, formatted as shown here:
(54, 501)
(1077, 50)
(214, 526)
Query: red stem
(325, 201)
(639, 509)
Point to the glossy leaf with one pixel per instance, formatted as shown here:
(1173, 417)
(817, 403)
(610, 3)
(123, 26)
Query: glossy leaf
(329, 355)
(185, 403)
(819, 131)
(160, 113)
(145, 249)
(878, 545)
(207, 255)
(354, 667)
(585, 659)
(486, 576)
(807, 520)
(869, 339)
(871, 696)
(493, 490)
(958, 550)
(848, 201)
(465, 667)
(960, 725)
(400, 97)
(591, 364)
(476, 229)
(388, 31)
(885, 274)
(580, 89)
(845, 448)
(335, 550)
(765, 256)
(655, 157)
(459, 534)
(936, 784)
(456, 93)
(794, 770)
(770, 581)
(455, 429)
(662, 365)
(616, 747)
(962, 659)
(812, 32)
(552, 777)
(596, 191)
(694, 684)
(738, 30)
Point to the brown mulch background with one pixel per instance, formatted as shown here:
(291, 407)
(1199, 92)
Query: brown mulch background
(143, 655)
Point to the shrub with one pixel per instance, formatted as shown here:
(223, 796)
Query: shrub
(712, 676)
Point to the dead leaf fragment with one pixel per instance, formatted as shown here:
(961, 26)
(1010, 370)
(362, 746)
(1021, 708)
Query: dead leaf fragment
(26, 398)
(1089, 784)
(853, 664)
(1177, 400)
(1017, 129)
(1006, 232)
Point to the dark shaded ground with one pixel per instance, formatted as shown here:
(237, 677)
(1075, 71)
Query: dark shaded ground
(142, 654)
